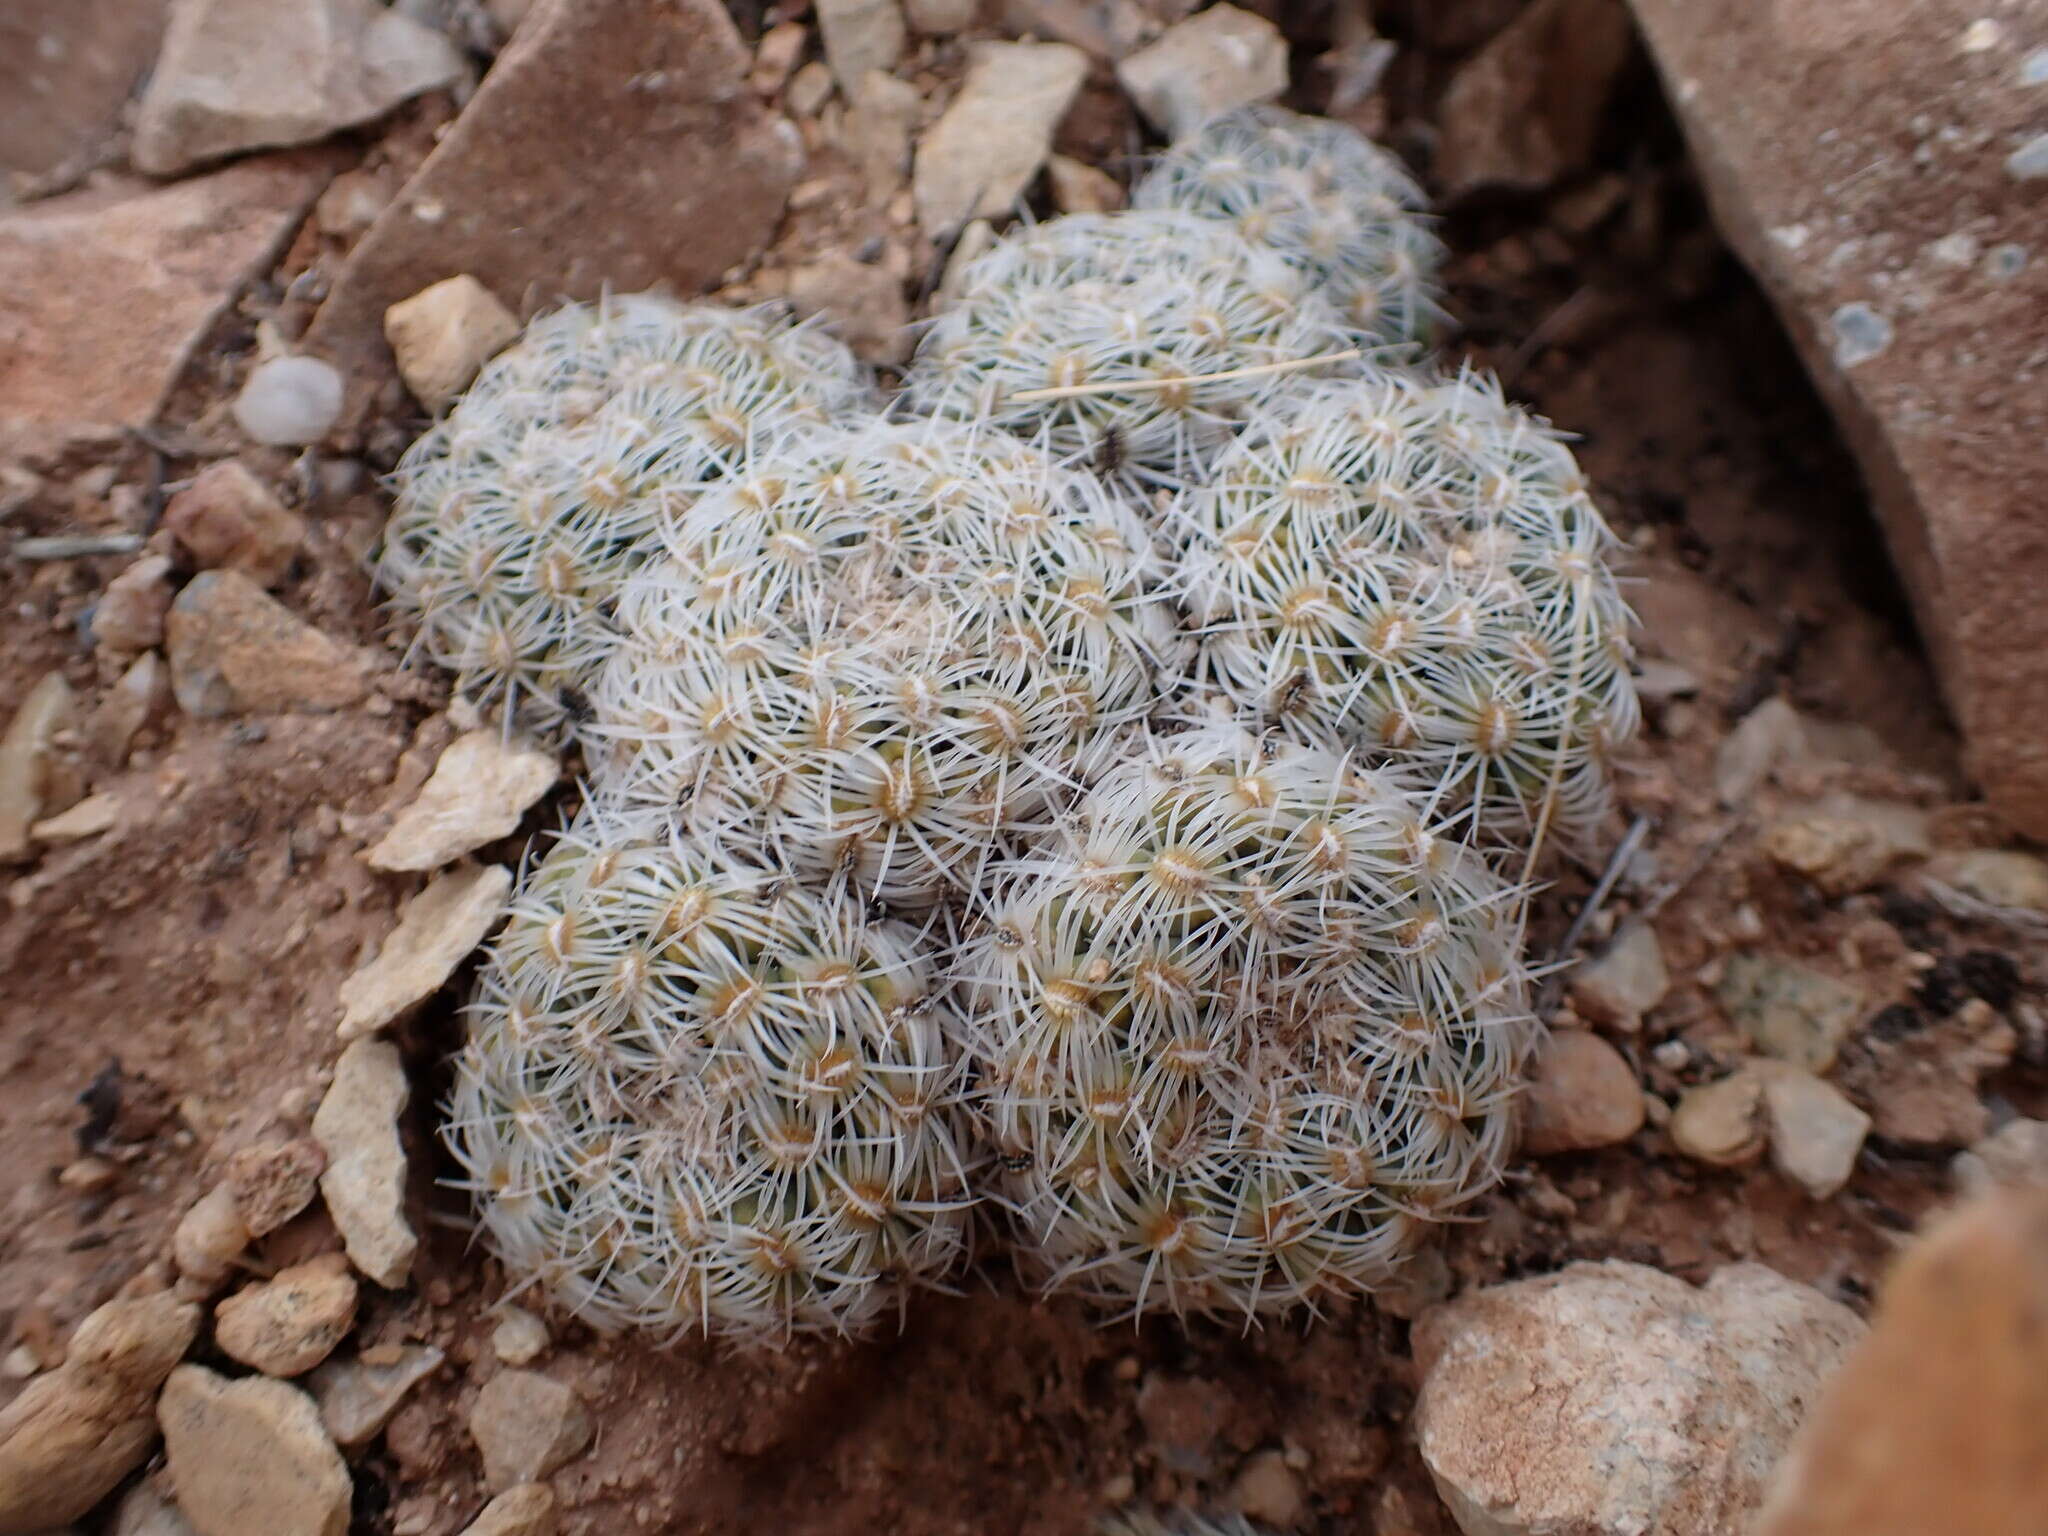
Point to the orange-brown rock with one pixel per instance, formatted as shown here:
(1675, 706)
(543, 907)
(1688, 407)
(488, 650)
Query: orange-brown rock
(1938, 1421)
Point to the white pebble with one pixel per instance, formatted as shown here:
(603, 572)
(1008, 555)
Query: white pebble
(1861, 333)
(2005, 260)
(289, 401)
(2030, 161)
(2034, 68)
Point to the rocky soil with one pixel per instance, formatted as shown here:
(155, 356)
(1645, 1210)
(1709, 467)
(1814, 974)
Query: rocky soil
(247, 850)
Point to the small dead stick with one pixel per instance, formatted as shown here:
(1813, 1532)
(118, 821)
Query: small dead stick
(1616, 864)
(1126, 386)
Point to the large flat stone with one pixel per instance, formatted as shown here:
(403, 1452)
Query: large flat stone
(1856, 158)
(104, 294)
(613, 146)
(66, 66)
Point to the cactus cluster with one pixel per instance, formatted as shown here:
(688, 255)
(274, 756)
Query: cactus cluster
(1079, 791)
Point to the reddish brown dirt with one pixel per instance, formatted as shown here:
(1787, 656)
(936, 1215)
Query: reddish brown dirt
(190, 958)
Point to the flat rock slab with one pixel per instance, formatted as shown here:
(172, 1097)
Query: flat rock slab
(1857, 157)
(613, 146)
(481, 787)
(250, 1455)
(104, 294)
(66, 67)
(436, 933)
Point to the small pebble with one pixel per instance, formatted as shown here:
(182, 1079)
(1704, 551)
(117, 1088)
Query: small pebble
(2030, 161)
(527, 1426)
(1718, 1123)
(519, 1338)
(1861, 333)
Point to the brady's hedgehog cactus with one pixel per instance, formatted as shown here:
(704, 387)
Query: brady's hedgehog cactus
(1414, 567)
(1324, 197)
(1141, 324)
(520, 515)
(700, 1096)
(1251, 1031)
(1182, 674)
(882, 652)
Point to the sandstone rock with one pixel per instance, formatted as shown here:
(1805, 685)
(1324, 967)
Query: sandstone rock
(443, 334)
(1788, 1011)
(75, 1432)
(1938, 1420)
(25, 755)
(940, 18)
(880, 117)
(526, 1426)
(140, 696)
(1078, 187)
(809, 89)
(863, 305)
(1942, 419)
(1613, 1400)
(2015, 1154)
(520, 1338)
(104, 296)
(129, 616)
(1766, 736)
(1184, 1416)
(227, 519)
(1267, 1490)
(1998, 877)
(357, 1399)
(1581, 1094)
(860, 35)
(436, 931)
(525, 1510)
(65, 72)
(143, 1511)
(234, 649)
(290, 1323)
(481, 787)
(1815, 1131)
(980, 156)
(539, 190)
(272, 1182)
(236, 75)
(1923, 1088)
(1720, 1123)
(1217, 60)
(208, 1240)
(1847, 844)
(364, 1185)
(1625, 980)
(1522, 112)
(249, 1456)
(288, 402)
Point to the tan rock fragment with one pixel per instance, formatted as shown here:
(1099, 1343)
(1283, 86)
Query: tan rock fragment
(436, 931)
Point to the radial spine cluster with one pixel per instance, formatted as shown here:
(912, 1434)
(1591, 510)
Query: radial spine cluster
(1100, 788)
